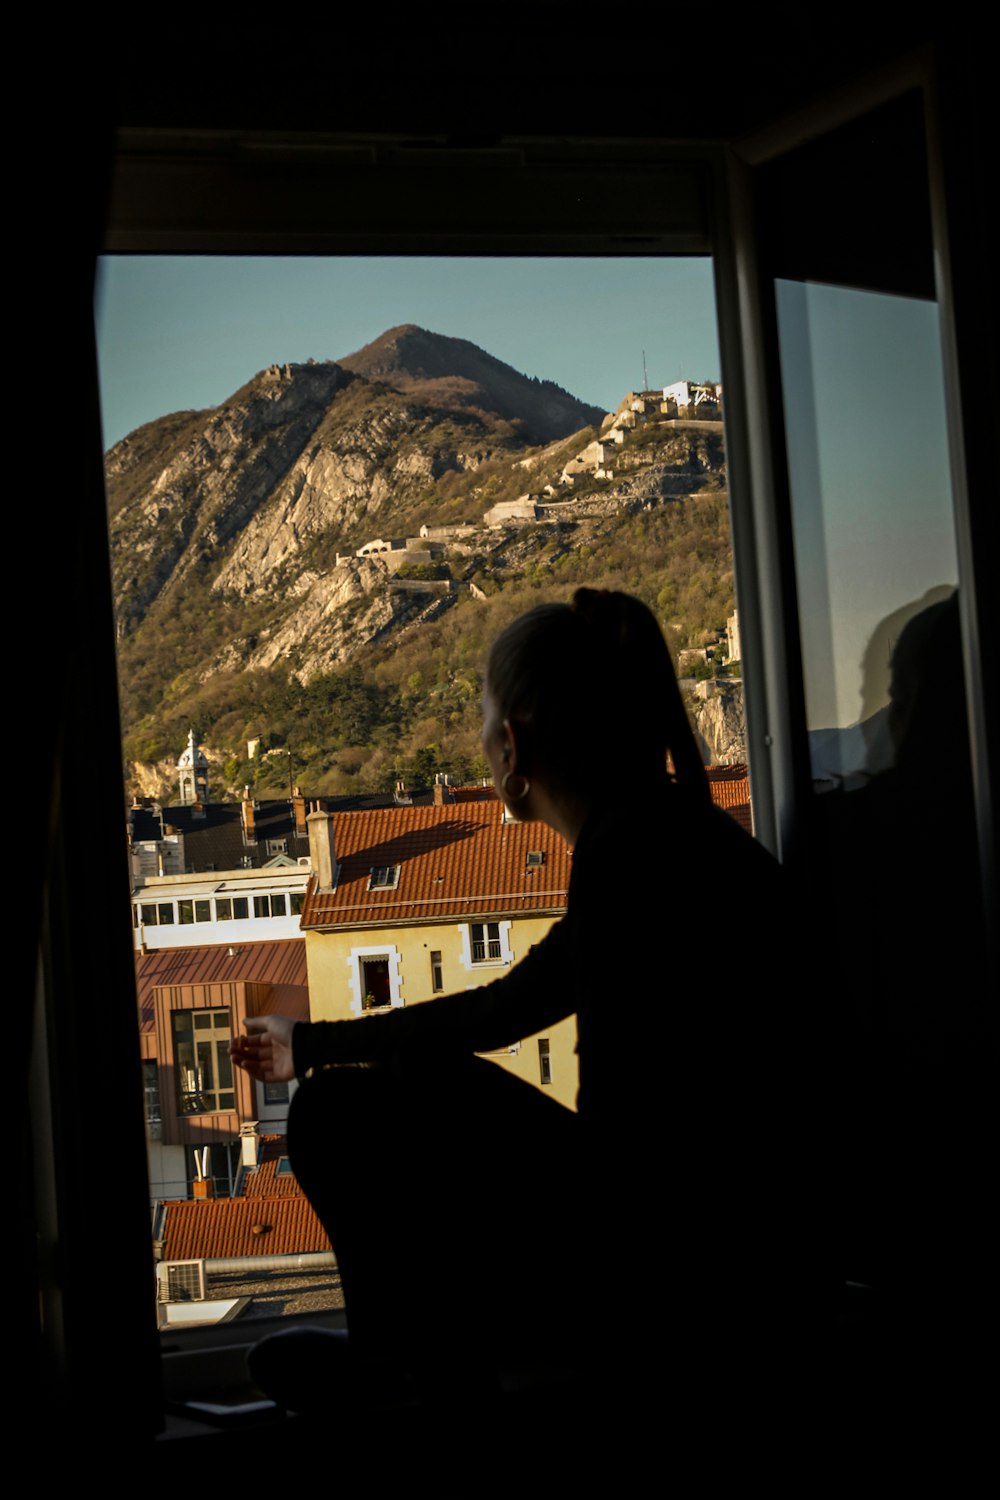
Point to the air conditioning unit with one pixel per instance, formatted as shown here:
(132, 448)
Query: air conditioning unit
(180, 1281)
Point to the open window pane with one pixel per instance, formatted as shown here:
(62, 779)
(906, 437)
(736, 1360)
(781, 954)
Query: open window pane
(871, 502)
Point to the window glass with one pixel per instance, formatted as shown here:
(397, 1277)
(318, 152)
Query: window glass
(892, 828)
(486, 944)
(151, 1098)
(203, 1067)
(874, 536)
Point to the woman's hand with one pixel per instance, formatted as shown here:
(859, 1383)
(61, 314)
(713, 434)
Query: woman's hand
(266, 1050)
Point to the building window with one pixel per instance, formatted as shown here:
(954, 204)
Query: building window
(275, 1093)
(276, 846)
(151, 1098)
(271, 906)
(437, 973)
(232, 908)
(374, 979)
(203, 1067)
(159, 915)
(376, 992)
(384, 878)
(297, 898)
(544, 1060)
(194, 912)
(534, 858)
(486, 946)
(485, 943)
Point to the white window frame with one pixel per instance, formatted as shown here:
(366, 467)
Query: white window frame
(506, 953)
(379, 950)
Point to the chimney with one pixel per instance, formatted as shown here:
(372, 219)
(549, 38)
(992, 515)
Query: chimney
(247, 814)
(249, 1143)
(299, 810)
(203, 1185)
(322, 849)
(438, 794)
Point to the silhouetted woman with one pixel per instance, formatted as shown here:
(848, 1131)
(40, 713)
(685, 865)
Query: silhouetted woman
(476, 1221)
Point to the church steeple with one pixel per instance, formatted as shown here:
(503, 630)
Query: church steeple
(192, 773)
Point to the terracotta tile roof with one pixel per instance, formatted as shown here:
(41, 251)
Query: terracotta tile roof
(218, 1228)
(453, 860)
(264, 1181)
(730, 788)
(281, 964)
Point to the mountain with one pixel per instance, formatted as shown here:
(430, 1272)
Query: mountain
(445, 371)
(244, 608)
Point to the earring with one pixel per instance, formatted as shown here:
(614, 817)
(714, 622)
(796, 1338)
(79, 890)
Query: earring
(514, 796)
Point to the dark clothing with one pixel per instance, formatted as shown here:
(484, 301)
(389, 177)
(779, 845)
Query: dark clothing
(632, 958)
(681, 1179)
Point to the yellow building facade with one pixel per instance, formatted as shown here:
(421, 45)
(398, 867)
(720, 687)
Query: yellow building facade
(409, 903)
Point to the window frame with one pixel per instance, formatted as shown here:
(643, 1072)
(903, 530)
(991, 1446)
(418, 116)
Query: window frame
(216, 1033)
(355, 962)
(504, 956)
(71, 943)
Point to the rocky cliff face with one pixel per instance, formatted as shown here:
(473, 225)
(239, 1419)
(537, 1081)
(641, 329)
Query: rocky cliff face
(235, 532)
(720, 722)
(182, 507)
(303, 460)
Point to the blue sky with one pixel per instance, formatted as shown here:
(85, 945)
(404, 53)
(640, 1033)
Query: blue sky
(181, 332)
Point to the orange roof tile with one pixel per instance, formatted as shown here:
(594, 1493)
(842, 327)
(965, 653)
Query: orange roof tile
(219, 1228)
(730, 788)
(453, 861)
(264, 1181)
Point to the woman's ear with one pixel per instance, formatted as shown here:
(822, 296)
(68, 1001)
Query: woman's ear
(513, 749)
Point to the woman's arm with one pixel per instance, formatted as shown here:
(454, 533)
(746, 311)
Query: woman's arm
(535, 994)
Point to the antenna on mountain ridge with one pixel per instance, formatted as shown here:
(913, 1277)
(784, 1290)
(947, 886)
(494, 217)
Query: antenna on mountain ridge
(645, 377)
